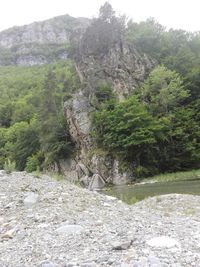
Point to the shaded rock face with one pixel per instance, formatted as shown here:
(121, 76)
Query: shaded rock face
(77, 112)
(123, 68)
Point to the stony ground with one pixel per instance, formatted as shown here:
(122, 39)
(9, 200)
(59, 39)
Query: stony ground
(46, 223)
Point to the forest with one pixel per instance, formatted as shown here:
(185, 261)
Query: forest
(33, 130)
(155, 130)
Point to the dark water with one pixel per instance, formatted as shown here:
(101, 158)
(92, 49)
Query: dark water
(134, 193)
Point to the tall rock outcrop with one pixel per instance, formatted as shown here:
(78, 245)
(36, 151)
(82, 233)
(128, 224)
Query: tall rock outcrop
(123, 68)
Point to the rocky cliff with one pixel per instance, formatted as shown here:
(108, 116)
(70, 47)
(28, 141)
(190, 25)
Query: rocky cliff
(123, 68)
(40, 42)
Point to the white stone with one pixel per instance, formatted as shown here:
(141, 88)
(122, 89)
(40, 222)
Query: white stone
(69, 229)
(163, 242)
(111, 198)
(31, 199)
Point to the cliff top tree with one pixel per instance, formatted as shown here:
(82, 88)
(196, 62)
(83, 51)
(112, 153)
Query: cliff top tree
(103, 33)
(106, 12)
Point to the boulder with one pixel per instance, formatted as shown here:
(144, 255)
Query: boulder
(97, 182)
(31, 199)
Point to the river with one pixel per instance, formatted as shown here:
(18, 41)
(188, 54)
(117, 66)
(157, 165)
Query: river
(133, 193)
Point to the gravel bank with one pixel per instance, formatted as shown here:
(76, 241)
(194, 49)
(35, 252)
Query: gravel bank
(46, 223)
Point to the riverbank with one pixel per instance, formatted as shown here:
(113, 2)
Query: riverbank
(175, 176)
(48, 223)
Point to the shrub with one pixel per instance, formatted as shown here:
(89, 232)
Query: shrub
(9, 166)
(32, 163)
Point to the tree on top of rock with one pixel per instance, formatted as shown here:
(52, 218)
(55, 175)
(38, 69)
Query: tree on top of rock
(103, 33)
(106, 12)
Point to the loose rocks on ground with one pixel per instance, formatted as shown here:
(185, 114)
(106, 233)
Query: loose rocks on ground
(55, 224)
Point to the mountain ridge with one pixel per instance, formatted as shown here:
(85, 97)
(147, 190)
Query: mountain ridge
(39, 42)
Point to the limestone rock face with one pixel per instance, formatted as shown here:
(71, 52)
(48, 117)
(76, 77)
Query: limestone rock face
(124, 69)
(77, 112)
(40, 42)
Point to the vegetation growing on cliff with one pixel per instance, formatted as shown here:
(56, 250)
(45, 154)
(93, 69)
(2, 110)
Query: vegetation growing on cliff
(156, 130)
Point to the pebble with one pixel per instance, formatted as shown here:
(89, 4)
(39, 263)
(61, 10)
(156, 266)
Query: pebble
(163, 242)
(69, 229)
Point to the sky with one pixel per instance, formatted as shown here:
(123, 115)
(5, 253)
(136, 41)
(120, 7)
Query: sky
(177, 14)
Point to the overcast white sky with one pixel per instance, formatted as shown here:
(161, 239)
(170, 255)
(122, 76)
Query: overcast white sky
(181, 14)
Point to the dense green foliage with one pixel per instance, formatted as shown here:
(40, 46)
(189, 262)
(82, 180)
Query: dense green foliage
(178, 50)
(33, 131)
(156, 130)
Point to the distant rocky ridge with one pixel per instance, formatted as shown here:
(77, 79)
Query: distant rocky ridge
(40, 42)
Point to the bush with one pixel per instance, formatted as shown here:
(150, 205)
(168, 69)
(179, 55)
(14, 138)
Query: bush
(32, 164)
(9, 166)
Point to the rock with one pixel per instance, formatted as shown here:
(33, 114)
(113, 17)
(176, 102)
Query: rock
(69, 229)
(85, 180)
(9, 234)
(111, 198)
(163, 242)
(119, 177)
(31, 199)
(83, 168)
(97, 182)
(46, 264)
(154, 262)
(122, 245)
(123, 68)
(2, 173)
(31, 42)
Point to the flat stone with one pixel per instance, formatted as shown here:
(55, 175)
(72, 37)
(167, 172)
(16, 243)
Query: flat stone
(31, 199)
(111, 198)
(69, 229)
(163, 242)
(9, 234)
(122, 245)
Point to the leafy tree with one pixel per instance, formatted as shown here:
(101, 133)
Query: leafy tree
(128, 129)
(162, 91)
(146, 36)
(21, 142)
(54, 138)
